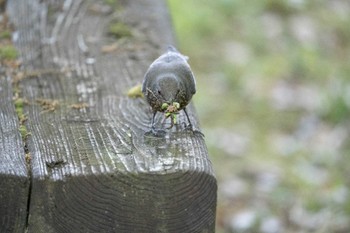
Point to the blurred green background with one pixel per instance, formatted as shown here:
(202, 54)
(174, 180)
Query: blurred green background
(273, 99)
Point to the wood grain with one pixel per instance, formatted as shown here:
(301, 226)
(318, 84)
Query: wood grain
(93, 168)
(14, 180)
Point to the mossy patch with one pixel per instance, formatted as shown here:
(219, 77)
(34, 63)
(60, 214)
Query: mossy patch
(8, 52)
(112, 3)
(22, 117)
(19, 105)
(6, 34)
(23, 130)
(119, 30)
(135, 92)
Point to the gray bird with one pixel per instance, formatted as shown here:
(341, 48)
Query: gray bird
(169, 80)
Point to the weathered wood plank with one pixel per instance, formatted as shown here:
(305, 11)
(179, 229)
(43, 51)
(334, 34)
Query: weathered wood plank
(93, 170)
(14, 180)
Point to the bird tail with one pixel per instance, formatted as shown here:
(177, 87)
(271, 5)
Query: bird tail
(172, 49)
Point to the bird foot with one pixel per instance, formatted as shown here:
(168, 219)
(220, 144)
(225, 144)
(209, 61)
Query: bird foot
(156, 133)
(189, 127)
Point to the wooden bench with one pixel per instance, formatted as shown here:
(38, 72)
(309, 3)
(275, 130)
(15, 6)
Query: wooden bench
(83, 162)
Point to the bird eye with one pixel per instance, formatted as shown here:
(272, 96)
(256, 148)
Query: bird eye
(159, 92)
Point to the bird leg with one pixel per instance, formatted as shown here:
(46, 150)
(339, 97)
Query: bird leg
(190, 126)
(189, 121)
(155, 132)
(152, 124)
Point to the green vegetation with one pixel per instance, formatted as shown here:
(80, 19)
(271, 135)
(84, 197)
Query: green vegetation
(119, 30)
(135, 91)
(8, 52)
(19, 105)
(112, 3)
(5, 34)
(273, 100)
(23, 130)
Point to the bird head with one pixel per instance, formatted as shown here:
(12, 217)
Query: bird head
(167, 88)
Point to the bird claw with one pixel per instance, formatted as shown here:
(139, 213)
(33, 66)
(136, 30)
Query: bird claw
(189, 127)
(156, 132)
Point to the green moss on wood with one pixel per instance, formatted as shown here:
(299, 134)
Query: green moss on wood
(5, 34)
(119, 30)
(112, 3)
(8, 52)
(23, 130)
(135, 92)
(19, 103)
